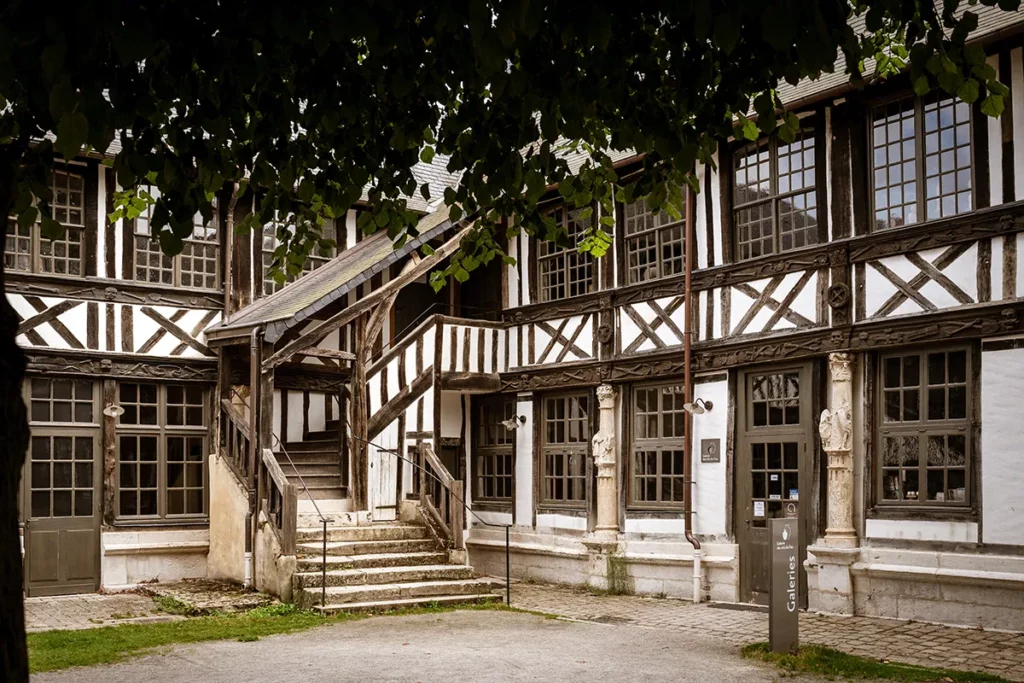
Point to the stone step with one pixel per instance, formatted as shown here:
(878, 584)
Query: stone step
(373, 532)
(371, 560)
(389, 605)
(294, 447)
(339, 595)
(314, 549)
(314, 481)
(384, 575)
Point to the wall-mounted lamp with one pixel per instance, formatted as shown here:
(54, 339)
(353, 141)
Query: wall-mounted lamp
(113, 410)
(698, 407)
(513, 422)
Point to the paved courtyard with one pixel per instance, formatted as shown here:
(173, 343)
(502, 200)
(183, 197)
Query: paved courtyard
(657, 635)
(910, 642)
(454, 646)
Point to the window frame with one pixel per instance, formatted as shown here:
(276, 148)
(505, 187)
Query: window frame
(623, 239)
(924, 428)
(173, 263)
(659, 444)
(812, 127)
(270, 286)
(545, 251)
(36, 239)
(579, 449)
(920, 161)
(494, 451)
(163, 433)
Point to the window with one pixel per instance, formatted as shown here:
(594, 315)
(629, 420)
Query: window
(659, 445)
(565, 272)
(901, 130)
(314, 261)
(161, 439)
(924, 431)
(61, 476)
(28, 251)
(565, 448)
(493, 461)
(653, 243)
(775, 399)
(775, 203)
(197, 266)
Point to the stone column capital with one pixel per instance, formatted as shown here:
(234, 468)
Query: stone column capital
(840, 365)
(606, 396)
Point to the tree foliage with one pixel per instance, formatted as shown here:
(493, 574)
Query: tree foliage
(311, 106)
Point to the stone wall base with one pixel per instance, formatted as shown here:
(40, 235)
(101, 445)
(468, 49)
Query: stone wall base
(130, 558)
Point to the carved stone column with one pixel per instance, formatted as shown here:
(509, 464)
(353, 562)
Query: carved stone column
(605, 460)
(836, 429)
(830, 583)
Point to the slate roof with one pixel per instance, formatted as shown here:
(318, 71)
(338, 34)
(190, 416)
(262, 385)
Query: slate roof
(311, 293)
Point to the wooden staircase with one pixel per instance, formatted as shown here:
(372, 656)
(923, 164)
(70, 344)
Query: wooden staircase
(317, 459)
(381, 567)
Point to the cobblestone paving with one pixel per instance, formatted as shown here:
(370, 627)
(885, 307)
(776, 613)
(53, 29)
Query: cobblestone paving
(931, 645)
(90, 611)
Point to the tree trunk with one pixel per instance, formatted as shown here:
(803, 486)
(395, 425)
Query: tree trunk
(14, 431)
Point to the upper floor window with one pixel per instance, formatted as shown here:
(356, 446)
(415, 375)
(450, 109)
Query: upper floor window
(775, 203)
(316, 258)
(198, 264)
(563, 271)
(28, 251)
(493, 457)
(920, 160)
(652, 243)
(924, 431)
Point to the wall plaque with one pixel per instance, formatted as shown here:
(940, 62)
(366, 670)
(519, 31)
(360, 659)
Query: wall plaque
(711, 450)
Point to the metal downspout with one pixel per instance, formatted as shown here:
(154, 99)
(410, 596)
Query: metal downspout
(255, 380)
(691, 201)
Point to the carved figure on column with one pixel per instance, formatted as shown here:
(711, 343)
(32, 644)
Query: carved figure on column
(603, 442)
(836, 429)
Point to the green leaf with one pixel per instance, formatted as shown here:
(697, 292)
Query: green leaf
(454, 213)
(921, 86)
(28, 217)
(72, 132)
(50, 228)
(427, 154)
(968, 92)
(992, 105)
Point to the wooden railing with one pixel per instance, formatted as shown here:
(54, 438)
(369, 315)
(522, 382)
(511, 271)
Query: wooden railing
(279, 501)
(234, 439)
(442, 498)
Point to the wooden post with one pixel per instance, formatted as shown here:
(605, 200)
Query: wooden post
(289, 518)
(458, 515)
(109, 454)
(423, 475)
(360, 424)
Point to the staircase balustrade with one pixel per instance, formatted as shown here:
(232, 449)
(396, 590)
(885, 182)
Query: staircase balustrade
(234, 440)
(441, 498)
(279, 501)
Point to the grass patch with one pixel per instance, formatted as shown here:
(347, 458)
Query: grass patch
(823, 661)
(54, 650)
(171, 605)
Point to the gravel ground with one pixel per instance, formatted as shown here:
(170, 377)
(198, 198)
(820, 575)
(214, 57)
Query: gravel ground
(453, 646)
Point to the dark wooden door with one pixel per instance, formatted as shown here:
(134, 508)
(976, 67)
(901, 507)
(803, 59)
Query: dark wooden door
(62, 521)
(773, 468)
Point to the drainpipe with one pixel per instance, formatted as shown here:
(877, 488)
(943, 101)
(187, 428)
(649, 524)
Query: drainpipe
(691, 201)
(255, 363)
(229, 253)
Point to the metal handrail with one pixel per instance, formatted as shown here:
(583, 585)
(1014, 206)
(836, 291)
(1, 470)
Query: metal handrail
(507, 527)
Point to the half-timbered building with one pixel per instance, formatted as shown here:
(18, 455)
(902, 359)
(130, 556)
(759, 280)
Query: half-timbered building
(833, 332)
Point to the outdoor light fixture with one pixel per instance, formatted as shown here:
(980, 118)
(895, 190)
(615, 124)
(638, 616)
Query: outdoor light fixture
(513, 422)
(113, 410)
(698, 407)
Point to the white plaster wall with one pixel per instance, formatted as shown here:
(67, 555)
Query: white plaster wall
(1002, 447)
(513, 275)
(912, 530)
(129, 558)
(524, 462)
(555, 521)
(451, 414)
(710, 488)
(229, 505)
(294, 427)
(995, 150)
(275, 425)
